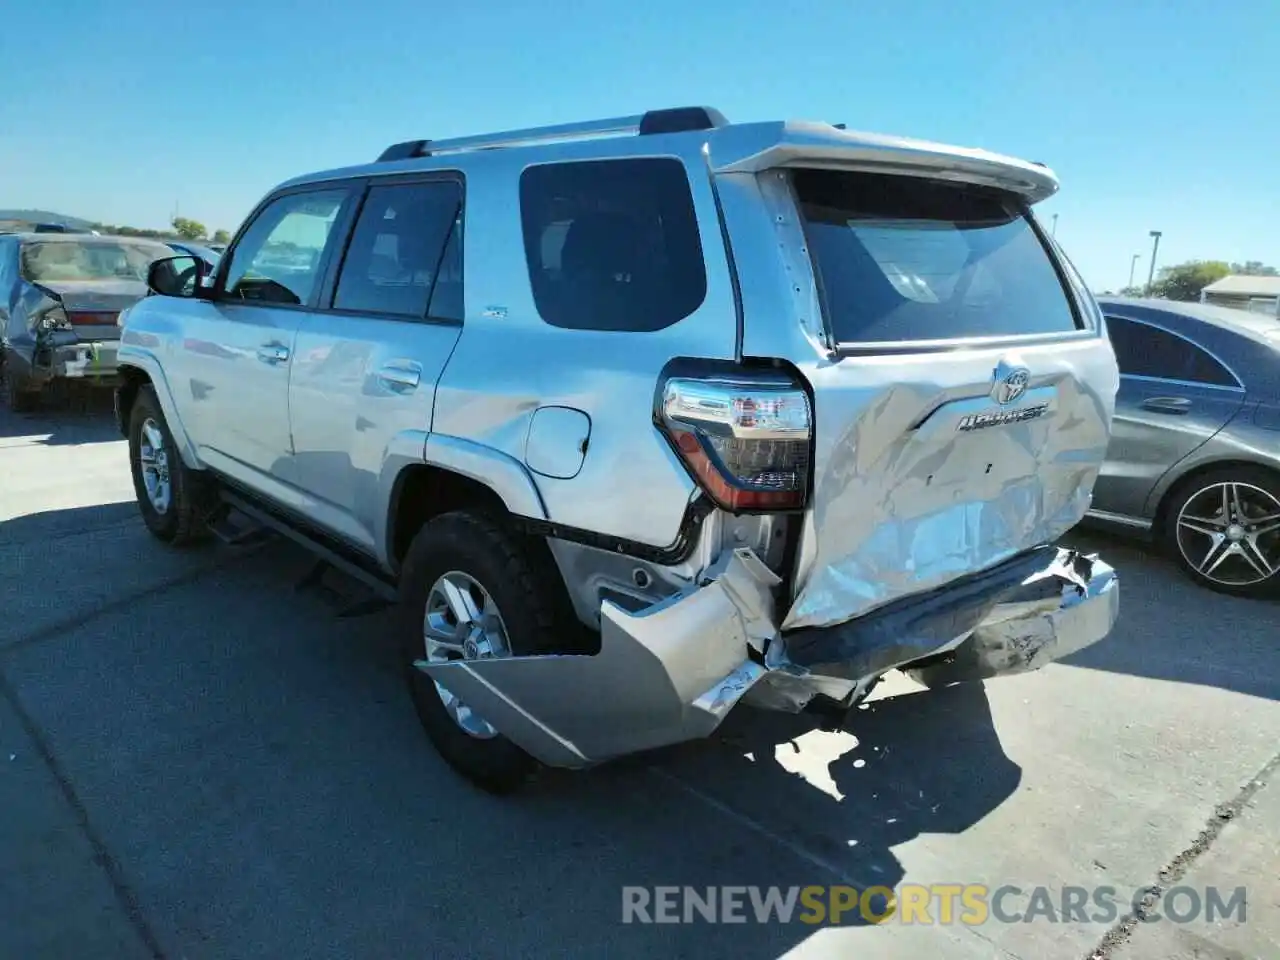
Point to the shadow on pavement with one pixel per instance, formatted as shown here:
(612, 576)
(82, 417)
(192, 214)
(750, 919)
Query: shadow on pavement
(1173, 629)
(51, 524)
(69, 416)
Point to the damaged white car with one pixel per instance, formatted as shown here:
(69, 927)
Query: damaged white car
(645, 418)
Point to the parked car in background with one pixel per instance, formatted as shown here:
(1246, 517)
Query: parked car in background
(1194, 460)
(207, 255)
(60, 295)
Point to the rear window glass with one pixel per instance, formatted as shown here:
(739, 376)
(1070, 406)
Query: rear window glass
(901, 258)
(612, 244)
(75, 261)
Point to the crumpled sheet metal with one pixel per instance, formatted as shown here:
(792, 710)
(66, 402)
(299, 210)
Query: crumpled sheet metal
(1051, 617)
(664, 675)
(915, 627)
(901, 507)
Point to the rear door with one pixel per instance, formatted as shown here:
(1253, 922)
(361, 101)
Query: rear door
(365, 367)
(962, 405)
(1173, 397)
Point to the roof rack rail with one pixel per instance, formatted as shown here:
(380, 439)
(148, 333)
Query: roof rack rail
(673, 120)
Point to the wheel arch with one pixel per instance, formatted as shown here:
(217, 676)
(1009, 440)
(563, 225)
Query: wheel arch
(1175, 484)
(137, 372)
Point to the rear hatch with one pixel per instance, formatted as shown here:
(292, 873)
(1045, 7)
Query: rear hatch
(962, 403)
(93, 306)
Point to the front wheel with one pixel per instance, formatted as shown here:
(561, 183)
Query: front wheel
(1223, 528)
(172, 498)
(472, 589)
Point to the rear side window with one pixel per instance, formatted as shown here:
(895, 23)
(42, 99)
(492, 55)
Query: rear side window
(1146, 351)
(396, 258)
(902, 258)
(612, 244)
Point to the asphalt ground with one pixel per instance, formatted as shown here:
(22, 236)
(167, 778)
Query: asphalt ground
(199, 760)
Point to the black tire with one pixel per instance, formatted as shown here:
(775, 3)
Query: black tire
(1264, 483)
(184, 519)
(531, 601)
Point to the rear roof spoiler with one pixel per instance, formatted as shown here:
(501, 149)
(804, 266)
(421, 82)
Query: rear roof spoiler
(753, 147)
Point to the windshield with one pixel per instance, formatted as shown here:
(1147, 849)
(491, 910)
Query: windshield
(88, 260)
(902, 258)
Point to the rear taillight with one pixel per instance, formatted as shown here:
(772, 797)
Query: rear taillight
(55, 318)
(86, 318)
(745, 440)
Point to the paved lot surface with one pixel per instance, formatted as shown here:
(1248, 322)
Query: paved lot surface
(199, 761)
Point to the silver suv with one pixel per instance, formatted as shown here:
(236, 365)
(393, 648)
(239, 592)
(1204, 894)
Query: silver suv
(642, 418)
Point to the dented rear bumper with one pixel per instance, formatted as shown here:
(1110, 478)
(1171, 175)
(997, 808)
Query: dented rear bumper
(673, 671)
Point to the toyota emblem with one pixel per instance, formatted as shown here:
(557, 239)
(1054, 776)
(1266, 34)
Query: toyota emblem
(1010, 383)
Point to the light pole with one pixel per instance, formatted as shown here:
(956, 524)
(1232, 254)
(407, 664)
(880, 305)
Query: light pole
(1053, 229)
(1155, 248)
(1132, 265)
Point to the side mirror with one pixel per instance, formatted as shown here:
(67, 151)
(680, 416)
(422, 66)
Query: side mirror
(180, 276)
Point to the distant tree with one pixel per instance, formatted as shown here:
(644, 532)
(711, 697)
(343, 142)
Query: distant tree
(189, 229)
(1130, 292)
(1254, 268)
(1186, 280)
(221, 236)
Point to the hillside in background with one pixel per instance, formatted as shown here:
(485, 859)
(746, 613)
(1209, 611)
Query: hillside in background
(44, 216)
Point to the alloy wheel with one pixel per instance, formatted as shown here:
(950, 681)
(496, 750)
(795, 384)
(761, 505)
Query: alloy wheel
(153, 458)
(462, 622)
(1229, 533)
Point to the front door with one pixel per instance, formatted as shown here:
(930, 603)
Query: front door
(239, 347)
(365, 368)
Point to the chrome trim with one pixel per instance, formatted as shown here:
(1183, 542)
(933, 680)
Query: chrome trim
(1185, 383)
(879, 347)
(1119, 519)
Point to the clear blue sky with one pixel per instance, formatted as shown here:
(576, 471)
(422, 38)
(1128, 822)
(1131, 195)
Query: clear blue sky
(1156, 114)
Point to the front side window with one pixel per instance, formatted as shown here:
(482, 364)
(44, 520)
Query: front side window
(612, 244)
(76, 261)
(397, 258)
(907, 259)
(1146, 351)
(280, 256)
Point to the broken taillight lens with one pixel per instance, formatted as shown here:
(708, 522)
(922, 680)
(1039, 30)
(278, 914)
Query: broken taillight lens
(745, 440)
(55, 318)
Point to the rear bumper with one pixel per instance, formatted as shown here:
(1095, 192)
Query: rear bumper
(673, 671)
(89, 360)
(86, 360)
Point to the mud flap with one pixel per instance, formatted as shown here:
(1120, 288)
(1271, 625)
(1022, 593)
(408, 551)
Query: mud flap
(664, 675)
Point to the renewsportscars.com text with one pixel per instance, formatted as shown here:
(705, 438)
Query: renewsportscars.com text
(932, 904)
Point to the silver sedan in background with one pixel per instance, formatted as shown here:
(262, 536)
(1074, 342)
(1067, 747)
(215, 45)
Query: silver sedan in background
(1194, 461)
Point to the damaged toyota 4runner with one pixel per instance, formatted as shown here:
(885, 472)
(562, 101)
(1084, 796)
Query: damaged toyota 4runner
(644, 418)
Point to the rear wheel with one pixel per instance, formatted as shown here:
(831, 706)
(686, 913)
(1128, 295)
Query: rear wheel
(472, 589)
(1223, 528)
(173, 499)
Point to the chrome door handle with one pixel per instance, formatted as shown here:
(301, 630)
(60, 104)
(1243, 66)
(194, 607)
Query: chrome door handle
(401, 376)
(1167, 404)
(273, 353)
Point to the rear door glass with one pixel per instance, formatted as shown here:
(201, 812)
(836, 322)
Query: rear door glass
(906, 259)
(1146, 351)
(398, 254)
